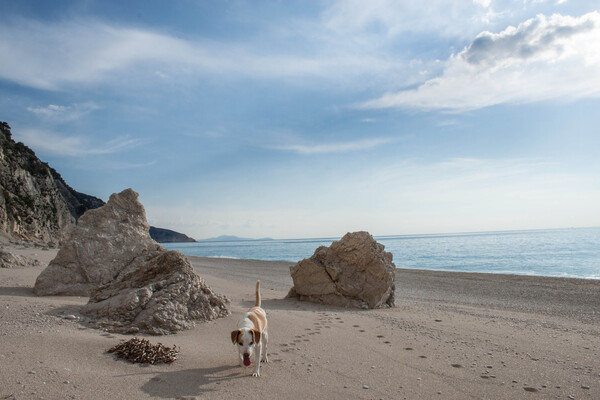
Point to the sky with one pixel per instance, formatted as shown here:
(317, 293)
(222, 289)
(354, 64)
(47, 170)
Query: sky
(294, 119)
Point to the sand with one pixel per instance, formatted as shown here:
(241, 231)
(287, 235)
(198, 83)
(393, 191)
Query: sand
(451, 336)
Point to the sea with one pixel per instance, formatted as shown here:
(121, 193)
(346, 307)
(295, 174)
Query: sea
(571, 253)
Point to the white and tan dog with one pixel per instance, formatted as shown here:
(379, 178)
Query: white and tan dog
(251, 335)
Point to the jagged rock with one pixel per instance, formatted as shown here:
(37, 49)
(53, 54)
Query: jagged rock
(134, 284)
(162, 296)
(104, 242)
(352, 272)
(35, 203)
(9, 260)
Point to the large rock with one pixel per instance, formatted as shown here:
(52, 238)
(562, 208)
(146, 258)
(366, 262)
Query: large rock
(352, 272)
(104, 242)
(162, 296)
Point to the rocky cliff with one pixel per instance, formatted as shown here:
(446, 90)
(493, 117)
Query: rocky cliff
(35, 202)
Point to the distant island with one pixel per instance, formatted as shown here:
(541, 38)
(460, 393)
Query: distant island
(229, 238)
(168, 236)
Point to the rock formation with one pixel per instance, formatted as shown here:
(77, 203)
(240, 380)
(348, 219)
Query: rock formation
(162, 296)
(352, 272)
(134, 284)
(104, 242)
(35, 203)
(9, 260)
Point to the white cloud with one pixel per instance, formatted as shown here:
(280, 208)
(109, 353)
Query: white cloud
(483, 3)
(543, 58)
(57, 113)
(48, 56)
(445, 17)
(74, 145)
(344, 147)
(54, 55)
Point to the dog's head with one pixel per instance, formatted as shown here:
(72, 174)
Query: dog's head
(246, 340)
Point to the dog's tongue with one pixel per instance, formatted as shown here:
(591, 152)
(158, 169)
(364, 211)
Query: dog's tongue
(247, 361)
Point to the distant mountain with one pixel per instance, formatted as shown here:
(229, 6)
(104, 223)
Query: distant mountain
(229, 238)
(168, 236)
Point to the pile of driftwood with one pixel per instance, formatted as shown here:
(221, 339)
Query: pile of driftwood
(142, 351)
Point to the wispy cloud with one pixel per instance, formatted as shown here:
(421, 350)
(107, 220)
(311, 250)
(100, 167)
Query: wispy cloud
(354, 44)
(74, 145)
(58, 113)
(51, 56)
(343, 147)
(543, 58)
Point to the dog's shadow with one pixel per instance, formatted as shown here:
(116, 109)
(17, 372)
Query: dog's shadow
(189, 382)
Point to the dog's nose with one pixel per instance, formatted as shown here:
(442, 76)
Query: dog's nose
(246, 355)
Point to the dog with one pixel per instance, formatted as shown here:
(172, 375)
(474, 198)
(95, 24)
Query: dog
(251, 335)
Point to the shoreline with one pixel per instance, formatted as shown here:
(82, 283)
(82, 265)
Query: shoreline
(451, 335)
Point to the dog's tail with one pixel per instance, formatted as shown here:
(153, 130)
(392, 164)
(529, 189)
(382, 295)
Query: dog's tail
(257, 302)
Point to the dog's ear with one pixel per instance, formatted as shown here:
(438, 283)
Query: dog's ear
(255, 336)
(235, 336)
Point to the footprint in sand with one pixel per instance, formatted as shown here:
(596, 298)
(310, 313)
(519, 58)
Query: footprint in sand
(380, 336)
(408, 348)
(356, 326)
(422, 356)
(457, 366)
(387, 342)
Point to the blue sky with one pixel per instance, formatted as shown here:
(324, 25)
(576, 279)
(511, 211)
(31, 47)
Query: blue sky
(296, 119)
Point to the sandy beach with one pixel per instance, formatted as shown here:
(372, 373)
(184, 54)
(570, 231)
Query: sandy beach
(451, 336)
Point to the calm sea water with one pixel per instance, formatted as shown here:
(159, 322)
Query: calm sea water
(558, 252)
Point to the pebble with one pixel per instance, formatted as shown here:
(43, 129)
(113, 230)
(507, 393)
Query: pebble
(586, 387)
(365, 386)
(70, 317)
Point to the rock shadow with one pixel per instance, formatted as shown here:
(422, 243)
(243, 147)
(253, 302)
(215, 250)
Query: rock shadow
(22, 291)
(189, 382)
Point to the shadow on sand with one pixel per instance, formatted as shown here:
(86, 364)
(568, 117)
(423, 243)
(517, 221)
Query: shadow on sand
(23, 291)
(189, 382)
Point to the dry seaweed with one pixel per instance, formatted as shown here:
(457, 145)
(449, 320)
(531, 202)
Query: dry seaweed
(142, 351)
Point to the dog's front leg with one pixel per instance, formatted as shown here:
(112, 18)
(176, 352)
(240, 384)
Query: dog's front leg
(257, 354)
(265, 339)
